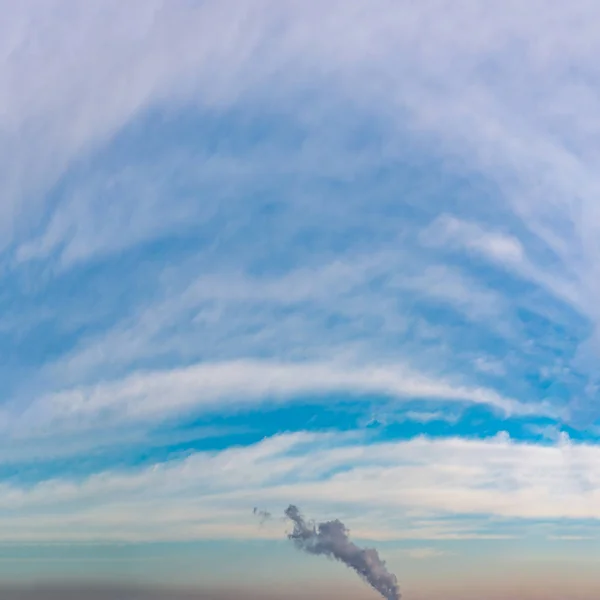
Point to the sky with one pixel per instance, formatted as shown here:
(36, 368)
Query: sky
(343, 255)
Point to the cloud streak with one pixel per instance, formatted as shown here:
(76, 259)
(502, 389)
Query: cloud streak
(236, 385)
(419, 489)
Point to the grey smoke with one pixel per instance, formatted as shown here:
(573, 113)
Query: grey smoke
(263, 515)
(331, 539)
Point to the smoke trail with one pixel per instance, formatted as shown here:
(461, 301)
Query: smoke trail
(331, 539)
(263, 515)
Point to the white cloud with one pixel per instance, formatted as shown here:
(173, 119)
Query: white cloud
(75, 75)
(506, 251)
(229, 386)
(453, 232)
(232, 315)
(390, 56)
(382, 491)
(466, 295)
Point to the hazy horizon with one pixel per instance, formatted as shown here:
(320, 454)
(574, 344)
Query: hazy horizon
(493, 590)
(265, 569)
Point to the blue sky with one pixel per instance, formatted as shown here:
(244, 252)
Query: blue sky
(343, 256)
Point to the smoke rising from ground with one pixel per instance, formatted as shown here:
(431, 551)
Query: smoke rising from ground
(331, 539)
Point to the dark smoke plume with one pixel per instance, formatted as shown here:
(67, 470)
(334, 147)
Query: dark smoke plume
(331, 539)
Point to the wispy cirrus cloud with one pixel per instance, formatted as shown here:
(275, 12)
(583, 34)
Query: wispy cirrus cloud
(219, 205)
(230, 386)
